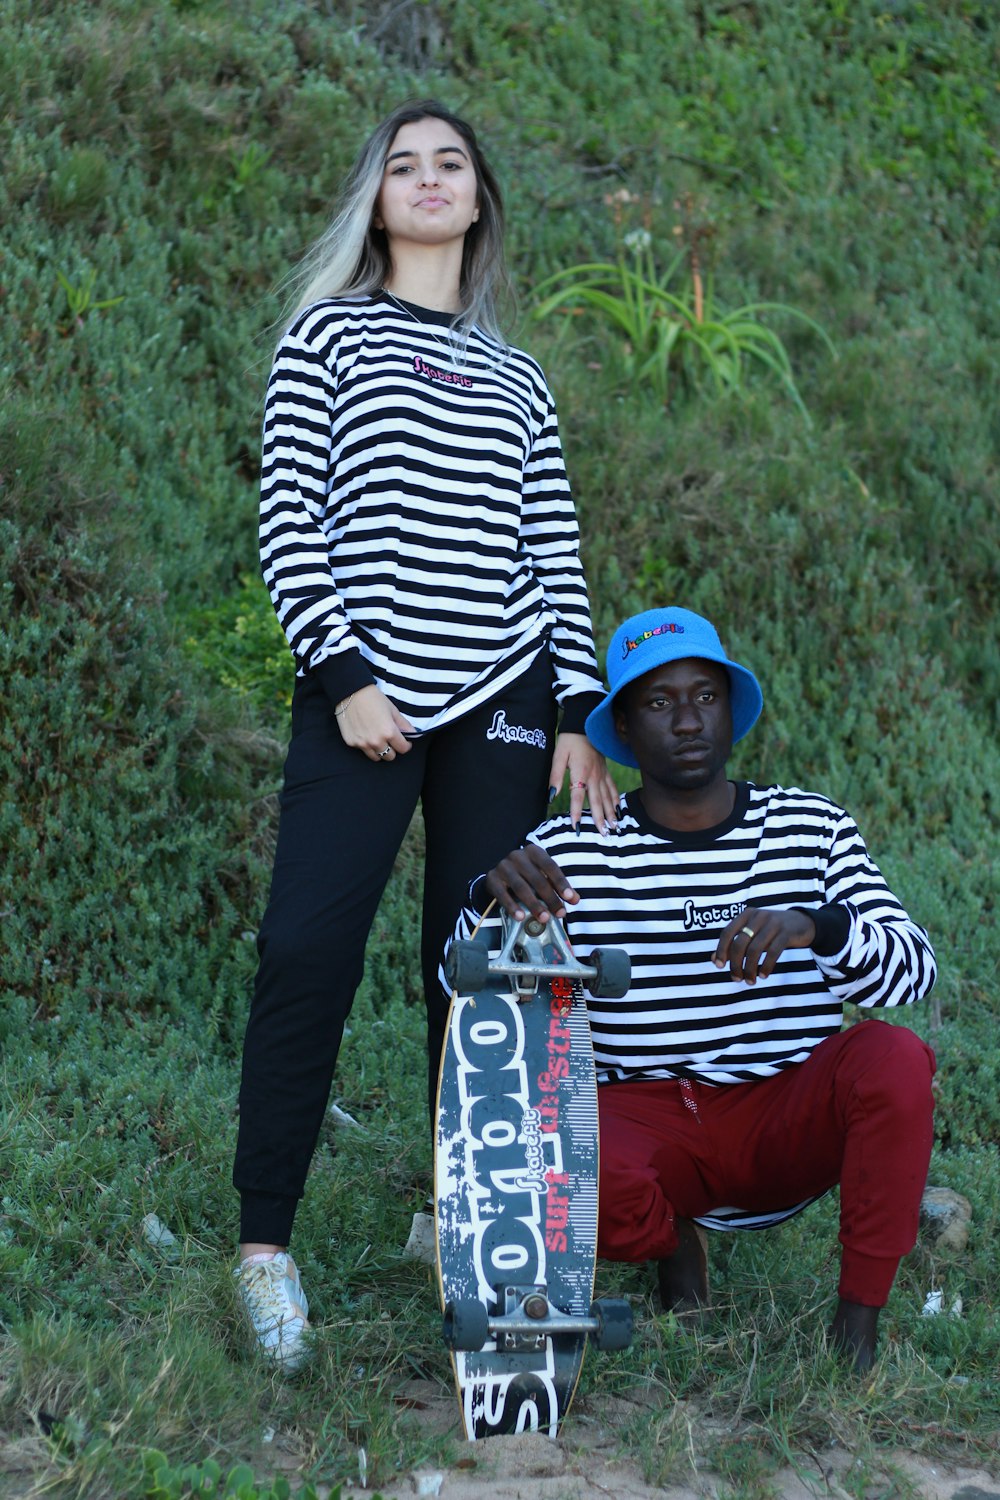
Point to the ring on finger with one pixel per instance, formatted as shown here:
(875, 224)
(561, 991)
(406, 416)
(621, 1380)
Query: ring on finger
(578, 786)
(748, 930)
(383, 753)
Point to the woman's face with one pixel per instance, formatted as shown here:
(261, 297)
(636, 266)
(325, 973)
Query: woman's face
(429, 193)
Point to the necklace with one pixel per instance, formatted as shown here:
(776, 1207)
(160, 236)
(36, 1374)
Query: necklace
(454, 353)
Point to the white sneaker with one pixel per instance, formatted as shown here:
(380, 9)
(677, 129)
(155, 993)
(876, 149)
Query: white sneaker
(276, 1306)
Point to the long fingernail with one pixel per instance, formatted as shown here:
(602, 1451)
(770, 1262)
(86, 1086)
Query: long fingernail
(552, 792)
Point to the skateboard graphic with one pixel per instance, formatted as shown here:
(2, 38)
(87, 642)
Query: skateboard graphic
(515, 1176)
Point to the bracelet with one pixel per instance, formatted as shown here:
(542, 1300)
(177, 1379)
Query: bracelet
(342, 709)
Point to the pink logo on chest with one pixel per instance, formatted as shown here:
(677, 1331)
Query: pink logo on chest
(449, 377)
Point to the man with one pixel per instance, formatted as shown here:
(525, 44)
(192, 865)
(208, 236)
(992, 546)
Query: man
(751, 914)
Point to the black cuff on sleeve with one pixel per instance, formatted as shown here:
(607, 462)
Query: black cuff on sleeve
(478, 897)
(833, 927)
(575, 711)
(343, 674)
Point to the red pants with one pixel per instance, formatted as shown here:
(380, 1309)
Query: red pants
(857, 1112)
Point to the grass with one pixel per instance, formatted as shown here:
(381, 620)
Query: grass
(132, 1350)
(164, 163)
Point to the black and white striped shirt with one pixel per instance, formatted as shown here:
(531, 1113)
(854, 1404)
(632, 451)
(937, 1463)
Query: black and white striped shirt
(665, 897)
(417, 528)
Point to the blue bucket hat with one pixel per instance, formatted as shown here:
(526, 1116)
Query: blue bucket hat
(650, 639)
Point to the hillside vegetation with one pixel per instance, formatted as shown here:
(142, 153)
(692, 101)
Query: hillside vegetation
(164, 165)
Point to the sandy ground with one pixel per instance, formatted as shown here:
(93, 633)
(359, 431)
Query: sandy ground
(584, 1464)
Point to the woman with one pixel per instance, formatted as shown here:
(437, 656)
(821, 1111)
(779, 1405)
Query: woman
(420, 545)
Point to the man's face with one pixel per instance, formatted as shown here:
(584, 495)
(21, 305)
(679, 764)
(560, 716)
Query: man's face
(676, 719)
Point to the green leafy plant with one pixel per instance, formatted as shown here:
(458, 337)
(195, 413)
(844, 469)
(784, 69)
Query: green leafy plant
(162, 1481)
(250, 180)
(80, 298)
(683, 330)
(79, 186)
(248, 166)
(238, 641)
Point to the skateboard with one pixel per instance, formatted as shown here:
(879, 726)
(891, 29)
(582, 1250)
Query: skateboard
(515, 1176)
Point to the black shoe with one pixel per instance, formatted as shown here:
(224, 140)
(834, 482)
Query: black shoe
(854, 1332)
(683, 1276)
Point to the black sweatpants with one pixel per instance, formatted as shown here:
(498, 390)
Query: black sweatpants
(482, 786)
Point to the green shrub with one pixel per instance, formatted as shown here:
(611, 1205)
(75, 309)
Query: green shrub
(118, 804)
(238, 641)
(79, 185)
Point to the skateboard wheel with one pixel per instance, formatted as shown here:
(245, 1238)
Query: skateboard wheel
(613, 973)
(614, 1316)
(466, 1325)
(466, 966)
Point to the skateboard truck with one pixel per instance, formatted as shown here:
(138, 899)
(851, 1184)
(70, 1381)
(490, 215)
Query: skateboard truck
(468, 967)
(529, 1318)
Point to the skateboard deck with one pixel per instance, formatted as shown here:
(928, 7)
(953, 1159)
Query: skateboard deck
(516, 1171)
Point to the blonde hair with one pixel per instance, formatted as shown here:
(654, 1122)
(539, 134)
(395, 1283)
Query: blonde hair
(351, 257)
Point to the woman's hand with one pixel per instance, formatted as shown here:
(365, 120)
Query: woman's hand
(369, 722)
(588, 777)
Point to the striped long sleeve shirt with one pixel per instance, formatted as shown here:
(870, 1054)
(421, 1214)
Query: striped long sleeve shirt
(417, 528)
(665, 897)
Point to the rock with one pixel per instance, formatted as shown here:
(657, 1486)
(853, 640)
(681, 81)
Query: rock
(523, 1455)
(341, 1117)
(422, 1246)
(156, 1234)
(427, 1483)
(944, 1220)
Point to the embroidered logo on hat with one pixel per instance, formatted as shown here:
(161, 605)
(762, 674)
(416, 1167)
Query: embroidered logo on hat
(671, 629)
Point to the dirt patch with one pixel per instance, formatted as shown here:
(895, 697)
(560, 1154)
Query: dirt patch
(587, 1464)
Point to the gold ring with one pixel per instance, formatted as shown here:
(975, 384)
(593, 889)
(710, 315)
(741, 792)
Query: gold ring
(748, 930)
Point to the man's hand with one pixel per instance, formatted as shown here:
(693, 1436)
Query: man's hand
(756, 932)
(528, 882)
